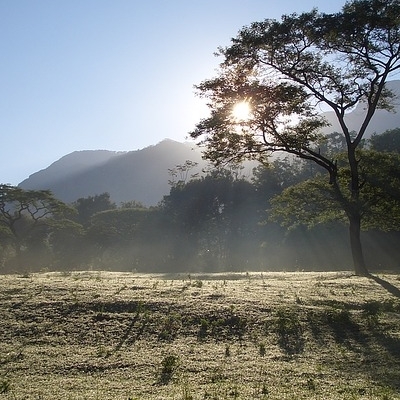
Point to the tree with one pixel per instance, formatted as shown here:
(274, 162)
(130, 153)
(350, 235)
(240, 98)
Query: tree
(283, 70)
(214, 219)
(130, 238)
(388, 141)
(88, 206)
(27, 214)
(314, 201)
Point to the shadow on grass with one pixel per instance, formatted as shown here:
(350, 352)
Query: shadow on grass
(128, 332)
(336, 323)
(289, 330)
(395, 291)
(364, 332)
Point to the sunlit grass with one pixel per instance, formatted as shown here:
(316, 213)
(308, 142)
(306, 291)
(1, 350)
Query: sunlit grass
(103, 335)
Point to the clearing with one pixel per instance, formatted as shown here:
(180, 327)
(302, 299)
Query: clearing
(106, 335)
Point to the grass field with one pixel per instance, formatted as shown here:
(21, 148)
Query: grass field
(103, 335)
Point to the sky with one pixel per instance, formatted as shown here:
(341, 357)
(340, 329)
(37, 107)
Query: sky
(111, 74)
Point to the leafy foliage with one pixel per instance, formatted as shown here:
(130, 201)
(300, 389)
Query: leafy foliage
(28, 217)
(314, 201)
(88, 206)
(223, 221)
(283, 70)
(388, 141)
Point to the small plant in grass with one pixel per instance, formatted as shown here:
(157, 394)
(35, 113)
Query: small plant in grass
(261, 349)
(217, 375)
(172, 324)
(102, 351)
(186, 392)
(168, 366)
(74, 295)
(371, 311)
(198, 283)
(234, 392)
(264, 389)
(119, 290)
(5, 386)
(261, 388)
(311, 384)
(204, 325)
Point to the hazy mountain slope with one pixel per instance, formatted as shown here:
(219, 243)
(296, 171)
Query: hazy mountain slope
(68, 166)
(140, 175)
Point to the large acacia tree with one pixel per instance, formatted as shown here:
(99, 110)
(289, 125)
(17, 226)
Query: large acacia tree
(30, 213)
(286, 71)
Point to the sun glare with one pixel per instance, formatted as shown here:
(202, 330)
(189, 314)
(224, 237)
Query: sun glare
(241, 111)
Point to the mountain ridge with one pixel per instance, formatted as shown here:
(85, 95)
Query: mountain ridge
(142, 175)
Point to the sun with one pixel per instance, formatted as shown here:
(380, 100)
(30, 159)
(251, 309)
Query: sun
(241, 111)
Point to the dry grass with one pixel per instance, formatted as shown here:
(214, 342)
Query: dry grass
(102, 335)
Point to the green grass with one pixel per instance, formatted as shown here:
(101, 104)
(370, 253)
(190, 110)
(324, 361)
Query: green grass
(223, 336)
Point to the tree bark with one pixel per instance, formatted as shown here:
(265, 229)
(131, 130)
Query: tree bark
(353, 212)
(356, 247)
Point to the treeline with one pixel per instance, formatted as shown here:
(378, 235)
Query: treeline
(221, 221)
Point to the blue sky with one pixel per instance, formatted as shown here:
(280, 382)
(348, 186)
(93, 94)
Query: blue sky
(110, 74)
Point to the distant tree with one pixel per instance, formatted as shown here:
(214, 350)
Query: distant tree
(283, 70)
(117, 226)
(88, 206)
(213, 219)
(388, 141)
(279, 174)
(68, 244)
(130, 238)
(132, 204)
(27, 215)
(181, 173)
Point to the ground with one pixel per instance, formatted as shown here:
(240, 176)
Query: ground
(104, 335)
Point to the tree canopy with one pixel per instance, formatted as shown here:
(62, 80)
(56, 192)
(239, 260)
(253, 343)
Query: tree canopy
(286, 71)
(26, 215)
(388, 141)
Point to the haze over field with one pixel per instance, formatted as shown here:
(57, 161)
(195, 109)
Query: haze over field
(279, 71)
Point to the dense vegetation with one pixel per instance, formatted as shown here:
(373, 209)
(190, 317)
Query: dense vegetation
(222, 221)
(281, 71)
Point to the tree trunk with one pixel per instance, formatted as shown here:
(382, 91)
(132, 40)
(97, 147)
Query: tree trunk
(356, 247)
(353, 213)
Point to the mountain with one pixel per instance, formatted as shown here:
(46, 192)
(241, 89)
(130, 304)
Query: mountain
(69, 165)
(140, 175)
(143, 176)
